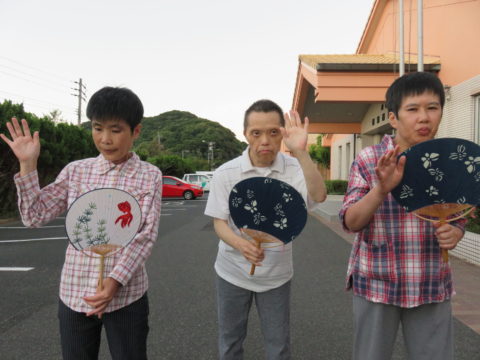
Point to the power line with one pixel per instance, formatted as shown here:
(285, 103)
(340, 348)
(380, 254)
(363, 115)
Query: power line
(34, 82)
(40, 106)
(34, 99)
(35, 68)
(32, 75)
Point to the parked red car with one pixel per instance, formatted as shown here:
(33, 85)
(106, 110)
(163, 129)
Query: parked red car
(174, 187)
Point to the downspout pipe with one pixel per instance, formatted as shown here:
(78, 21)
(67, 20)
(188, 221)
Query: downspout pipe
(420, 34)
(401, 69)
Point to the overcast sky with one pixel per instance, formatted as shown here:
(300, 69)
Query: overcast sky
(212, 57)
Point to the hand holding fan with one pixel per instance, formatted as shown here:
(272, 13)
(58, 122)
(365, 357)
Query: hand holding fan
(267, 210)
(101, 222)
(441, 181)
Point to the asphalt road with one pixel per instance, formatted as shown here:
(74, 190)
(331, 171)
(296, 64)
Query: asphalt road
(182, 304)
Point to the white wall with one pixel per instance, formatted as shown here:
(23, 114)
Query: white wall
(458, 113)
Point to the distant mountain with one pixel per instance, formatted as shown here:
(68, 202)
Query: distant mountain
(185, 134)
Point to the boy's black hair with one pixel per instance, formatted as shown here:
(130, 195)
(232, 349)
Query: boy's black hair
(413, 84)
(115, 103)
(266, 106)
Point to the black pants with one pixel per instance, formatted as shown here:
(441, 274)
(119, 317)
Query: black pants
(126, 329)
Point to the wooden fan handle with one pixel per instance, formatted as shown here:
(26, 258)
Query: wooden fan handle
(445, 255)
(100, 275)
(444, 251)
(252, 269)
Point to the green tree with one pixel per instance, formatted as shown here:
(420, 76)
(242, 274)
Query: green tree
(60, 144)
(319, 153)
(171, 165)
(182, 133)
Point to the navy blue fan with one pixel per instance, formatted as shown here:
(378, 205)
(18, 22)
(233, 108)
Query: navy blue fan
(441, 181)
(269, 211)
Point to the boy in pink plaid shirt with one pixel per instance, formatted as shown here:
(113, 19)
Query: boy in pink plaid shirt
(122, 305)
(396, 269)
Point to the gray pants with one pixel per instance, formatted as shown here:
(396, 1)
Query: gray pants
(273, 309)
(427, 330)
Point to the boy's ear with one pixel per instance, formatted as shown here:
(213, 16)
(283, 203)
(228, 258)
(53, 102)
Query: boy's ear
(136, 131)
(392, 119)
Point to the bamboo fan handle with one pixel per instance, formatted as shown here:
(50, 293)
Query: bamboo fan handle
(444, 251)
(100, 275)
(252, 269)
(462, 210)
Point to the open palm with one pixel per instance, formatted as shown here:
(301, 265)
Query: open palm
(25, 146)
(295, 134)
(389, 171)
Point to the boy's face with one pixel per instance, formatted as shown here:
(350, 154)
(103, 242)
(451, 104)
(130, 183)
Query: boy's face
(114, 139)
(418, 119)
(264, 137)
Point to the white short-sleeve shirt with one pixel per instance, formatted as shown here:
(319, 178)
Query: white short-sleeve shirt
(231, 265)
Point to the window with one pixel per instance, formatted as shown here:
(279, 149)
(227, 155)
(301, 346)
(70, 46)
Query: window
(168, 181)
(347, 155)
(476, 116)
(340, 162)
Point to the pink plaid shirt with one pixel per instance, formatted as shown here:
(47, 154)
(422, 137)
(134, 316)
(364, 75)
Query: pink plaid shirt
(395, 258)
(80, 272)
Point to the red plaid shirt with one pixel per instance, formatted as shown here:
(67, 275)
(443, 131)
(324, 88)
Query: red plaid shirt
(395, 258)
(80, 272)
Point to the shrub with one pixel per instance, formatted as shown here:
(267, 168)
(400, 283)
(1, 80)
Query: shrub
(473, 223)
(171, 165)
(336, 187)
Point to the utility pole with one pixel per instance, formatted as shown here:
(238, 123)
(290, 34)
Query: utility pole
(211, 144)
(81, 96)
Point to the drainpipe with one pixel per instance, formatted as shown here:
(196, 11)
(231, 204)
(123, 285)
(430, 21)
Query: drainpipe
(420, 34)
(401, 45)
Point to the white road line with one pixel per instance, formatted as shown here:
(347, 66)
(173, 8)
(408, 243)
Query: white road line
(16, 268)
(29, 240)
(24, 227)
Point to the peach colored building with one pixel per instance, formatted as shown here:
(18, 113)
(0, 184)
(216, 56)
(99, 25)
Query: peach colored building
(344, 94)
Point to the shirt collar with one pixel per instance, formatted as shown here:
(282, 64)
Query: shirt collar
(246, 164)
(387, 142)
(102, 166)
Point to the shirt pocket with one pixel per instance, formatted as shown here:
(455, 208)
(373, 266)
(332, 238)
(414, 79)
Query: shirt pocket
(376, 261)
(77, 189)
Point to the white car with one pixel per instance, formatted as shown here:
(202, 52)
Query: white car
(198, 179)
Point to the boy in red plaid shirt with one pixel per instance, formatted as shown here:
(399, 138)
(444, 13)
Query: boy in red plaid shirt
(122, 305)
(395, 269)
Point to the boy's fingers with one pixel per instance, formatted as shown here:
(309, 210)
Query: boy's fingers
(4, 138)
(401, 163)
(11, 130)
(36, 137)
(306, 123)
(16, 126)
(26, 128)
(287, 120)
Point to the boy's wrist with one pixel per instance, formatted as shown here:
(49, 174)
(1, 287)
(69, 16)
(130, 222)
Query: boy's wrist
(381, 194)
(27, 167)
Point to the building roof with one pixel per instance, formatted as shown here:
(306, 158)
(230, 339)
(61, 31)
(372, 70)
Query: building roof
(365, 62)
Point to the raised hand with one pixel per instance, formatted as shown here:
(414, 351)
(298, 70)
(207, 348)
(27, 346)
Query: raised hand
(295, 134)
(25, 146)
(389, 171)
